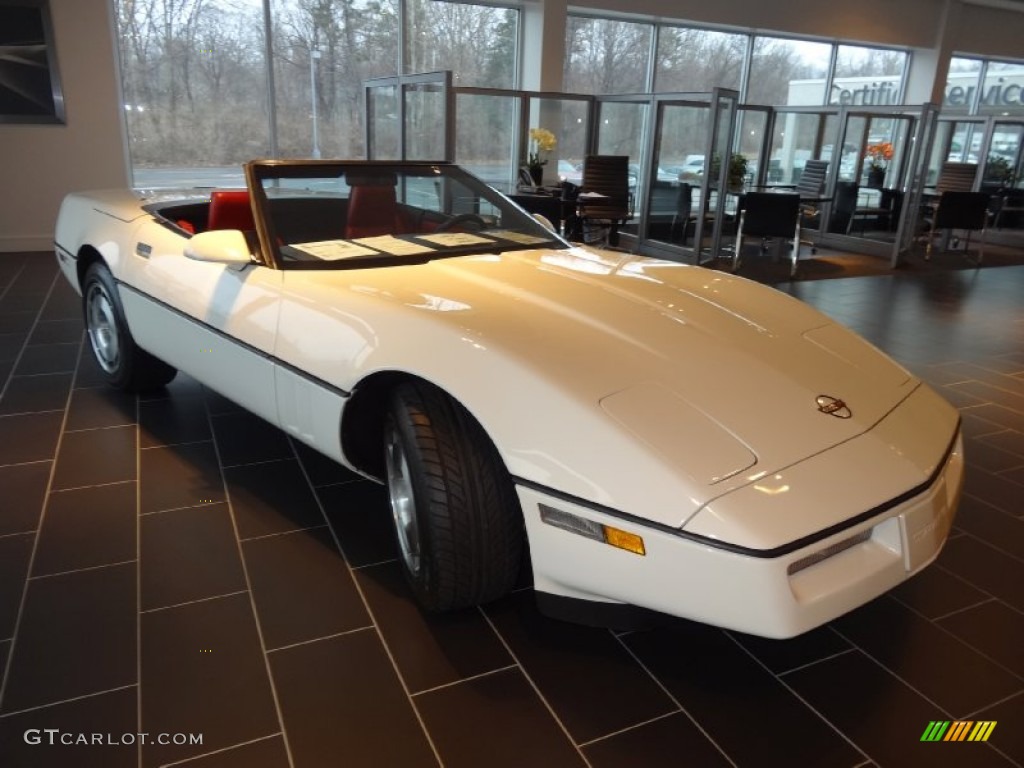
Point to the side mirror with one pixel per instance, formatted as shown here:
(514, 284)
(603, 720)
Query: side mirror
(221, 246)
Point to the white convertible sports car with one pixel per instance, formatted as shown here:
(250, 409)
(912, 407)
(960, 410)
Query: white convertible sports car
(643, 435)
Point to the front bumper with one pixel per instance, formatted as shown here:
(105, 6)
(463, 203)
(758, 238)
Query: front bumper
(772, 596)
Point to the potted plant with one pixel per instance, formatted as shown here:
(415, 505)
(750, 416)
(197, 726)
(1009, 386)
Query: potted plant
(878, 156)
(998, 170)
(541, 141)
(737, 171)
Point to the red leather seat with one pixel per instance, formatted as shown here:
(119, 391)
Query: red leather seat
(230, 209)
(372, 211)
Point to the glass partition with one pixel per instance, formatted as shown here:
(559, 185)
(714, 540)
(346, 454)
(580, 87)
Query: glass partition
(383, 139)
(569, 120)
(486, 136)
(680, 144)
(621, 126)
(425, 121)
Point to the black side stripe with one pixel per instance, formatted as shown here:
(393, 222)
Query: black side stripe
(779, 551)
(238, 342)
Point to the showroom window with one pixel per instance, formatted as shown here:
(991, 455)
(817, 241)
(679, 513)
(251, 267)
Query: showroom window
(961, 85)
(691, 59)
(476, 42)
(605, 56)
(195, 75)
(1002, 91)
(787, 72)
(867, 76)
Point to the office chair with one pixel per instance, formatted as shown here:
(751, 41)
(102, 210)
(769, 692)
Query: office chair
(769, 215)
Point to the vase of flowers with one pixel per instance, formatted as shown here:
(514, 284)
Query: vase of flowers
(878, 156)
(542, 141)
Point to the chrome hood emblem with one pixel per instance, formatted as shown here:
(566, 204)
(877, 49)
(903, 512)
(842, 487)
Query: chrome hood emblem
(833, 406)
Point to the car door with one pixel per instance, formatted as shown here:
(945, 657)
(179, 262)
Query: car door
(214, 321)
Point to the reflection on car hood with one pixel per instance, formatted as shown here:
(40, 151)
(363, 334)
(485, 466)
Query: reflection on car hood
(584, 365)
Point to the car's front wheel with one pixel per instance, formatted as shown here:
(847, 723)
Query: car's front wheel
(124, 365)
(457, 520)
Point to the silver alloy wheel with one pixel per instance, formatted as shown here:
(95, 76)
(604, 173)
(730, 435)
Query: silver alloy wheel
(101, 322)
(403, 503)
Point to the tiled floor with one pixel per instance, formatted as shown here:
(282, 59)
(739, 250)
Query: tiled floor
(172, 565)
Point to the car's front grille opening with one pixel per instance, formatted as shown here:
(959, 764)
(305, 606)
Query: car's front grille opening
(813, 559)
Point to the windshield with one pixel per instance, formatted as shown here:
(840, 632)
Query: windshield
(322, 215)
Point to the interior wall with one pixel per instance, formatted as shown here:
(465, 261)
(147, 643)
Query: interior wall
(42, 163)
(989, 31)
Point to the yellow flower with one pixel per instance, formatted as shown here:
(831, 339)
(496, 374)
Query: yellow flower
(541, 140)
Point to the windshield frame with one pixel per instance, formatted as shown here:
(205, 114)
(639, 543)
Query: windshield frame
(259, 172)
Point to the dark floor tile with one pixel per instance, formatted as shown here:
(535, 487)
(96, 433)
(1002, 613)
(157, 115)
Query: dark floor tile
(496, 720)
(21, 301)
(16, 322)
(64, 303)
(558, 657)
(5, 649)
(882, 715)
(87, 527)
(179, 476)
(10, 345)
(15, 552)
(361, 517)
(265, 753)
(57, 332)
(998, 490)
(271, 497)
(672, 740)
(188, 554)
(172, 420)
(1007, 737)
(429, 649)
(1009, 440)
(114, 713)
(917, 651)
(975, 426)
(741, 706)
(322, 470)
(991, 525)
(784, 655)
(96, 456)
(23, 489)
(936, 592)
(243, 438)
(102, 406)
(992, 394)
(341, 694)
(986, 568)
(203, 671)
(302, 587)
(77, 636)
(990, 458)
(29, 437)
(997, 414)
(48, 358)
(219, 404)
(994, 630)
(28, 394)
(6, 366)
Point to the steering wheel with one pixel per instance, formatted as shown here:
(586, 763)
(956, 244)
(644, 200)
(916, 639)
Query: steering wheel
(459, 219)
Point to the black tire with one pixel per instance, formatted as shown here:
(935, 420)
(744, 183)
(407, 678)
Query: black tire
(457, 519)
(123, 363)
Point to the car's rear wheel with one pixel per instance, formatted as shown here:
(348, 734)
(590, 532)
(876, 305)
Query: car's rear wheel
(124, 365)
(457, 519)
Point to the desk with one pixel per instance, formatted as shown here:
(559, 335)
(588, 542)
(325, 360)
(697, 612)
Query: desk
(551, 206)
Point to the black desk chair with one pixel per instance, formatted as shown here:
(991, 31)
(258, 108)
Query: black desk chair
(967, 211)
(604, 201)
(769, 215)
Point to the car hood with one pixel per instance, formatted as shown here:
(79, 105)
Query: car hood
(710, 377)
